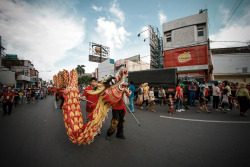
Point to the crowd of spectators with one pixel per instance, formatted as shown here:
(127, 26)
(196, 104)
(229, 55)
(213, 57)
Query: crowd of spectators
(10, 96)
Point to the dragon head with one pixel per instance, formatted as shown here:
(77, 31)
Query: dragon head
(111, 82)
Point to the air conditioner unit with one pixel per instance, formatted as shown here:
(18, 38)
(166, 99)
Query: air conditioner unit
(244, 70)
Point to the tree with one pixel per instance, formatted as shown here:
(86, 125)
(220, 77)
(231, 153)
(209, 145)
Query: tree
(84, 80)
(80, 70)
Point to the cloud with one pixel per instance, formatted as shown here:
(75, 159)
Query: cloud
(117, 12)
(110, 31)
(110, 34)
(98, 9)
(42, 35)
(236, 30)
(225, 14)
(162, 17)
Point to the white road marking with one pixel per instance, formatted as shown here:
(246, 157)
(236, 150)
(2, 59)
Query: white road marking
(210, 121)
(55, 105)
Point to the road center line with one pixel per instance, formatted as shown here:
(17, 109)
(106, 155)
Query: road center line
(210, 121)
(55, 105)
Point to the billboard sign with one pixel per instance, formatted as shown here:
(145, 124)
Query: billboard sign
(98, 53)
(11, 56)
(19, 68)
(188, 56)
(96, 59)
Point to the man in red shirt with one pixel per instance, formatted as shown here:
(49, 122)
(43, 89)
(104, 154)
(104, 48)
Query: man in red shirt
(93, 98)
(179, 96)
(7, 99)
(118, 118)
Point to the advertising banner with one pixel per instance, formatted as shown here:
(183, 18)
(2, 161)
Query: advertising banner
(188, 56)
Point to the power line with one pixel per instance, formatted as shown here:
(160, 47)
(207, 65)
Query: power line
(234, 10)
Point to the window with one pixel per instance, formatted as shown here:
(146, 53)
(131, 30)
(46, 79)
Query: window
(168, 37)
(200, 31)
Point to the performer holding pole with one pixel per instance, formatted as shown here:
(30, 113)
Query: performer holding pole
(118, 117)
(90, 98)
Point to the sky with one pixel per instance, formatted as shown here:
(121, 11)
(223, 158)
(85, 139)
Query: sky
(55, 34)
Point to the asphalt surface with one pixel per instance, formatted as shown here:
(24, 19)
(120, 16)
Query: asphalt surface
(34, 135)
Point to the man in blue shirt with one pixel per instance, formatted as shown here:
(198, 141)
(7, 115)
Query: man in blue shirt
(192, 90)
(132, 96)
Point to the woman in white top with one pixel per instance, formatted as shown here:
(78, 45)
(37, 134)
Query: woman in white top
(216, 93)
(152, 98)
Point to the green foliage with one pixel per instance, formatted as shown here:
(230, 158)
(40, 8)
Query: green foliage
(80, 70)
(84, 80)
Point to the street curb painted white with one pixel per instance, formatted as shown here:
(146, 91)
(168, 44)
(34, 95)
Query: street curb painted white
(209, 121)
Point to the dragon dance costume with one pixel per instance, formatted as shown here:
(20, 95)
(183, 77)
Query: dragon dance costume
(110, 92)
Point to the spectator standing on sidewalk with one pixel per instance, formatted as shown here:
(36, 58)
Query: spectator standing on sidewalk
(202, 100)
(226, 84)
(216, 93)
(28, 95)
(225, 101)
(243, 98)
(16, 98)
(179, 97)
(208, 94)
(159, 95)
(192, 90)
(37, 95)
(139, 100)
(163, 94)
(145, 94)
(20, 96)
(33, 93)
(170, 103)
(152, 98)
(132, 96)
(7, 98)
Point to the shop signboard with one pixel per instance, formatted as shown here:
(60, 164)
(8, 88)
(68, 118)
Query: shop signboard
(188, 56)
(11, 56)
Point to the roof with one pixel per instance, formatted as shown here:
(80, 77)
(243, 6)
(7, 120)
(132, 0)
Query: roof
(242, 49)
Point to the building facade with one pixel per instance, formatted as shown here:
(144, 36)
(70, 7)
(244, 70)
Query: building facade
(105, 68)
(232, 64)
(186, 46)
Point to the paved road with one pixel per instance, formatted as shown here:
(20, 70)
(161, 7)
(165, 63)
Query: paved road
(34, 135)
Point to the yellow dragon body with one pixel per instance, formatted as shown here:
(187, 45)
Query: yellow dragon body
(110, 91)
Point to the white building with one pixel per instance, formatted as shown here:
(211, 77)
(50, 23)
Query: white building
(130, 65)
(232, 64)
(105, 68)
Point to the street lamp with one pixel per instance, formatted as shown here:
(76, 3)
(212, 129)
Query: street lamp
(145, 39)
(141, 32)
